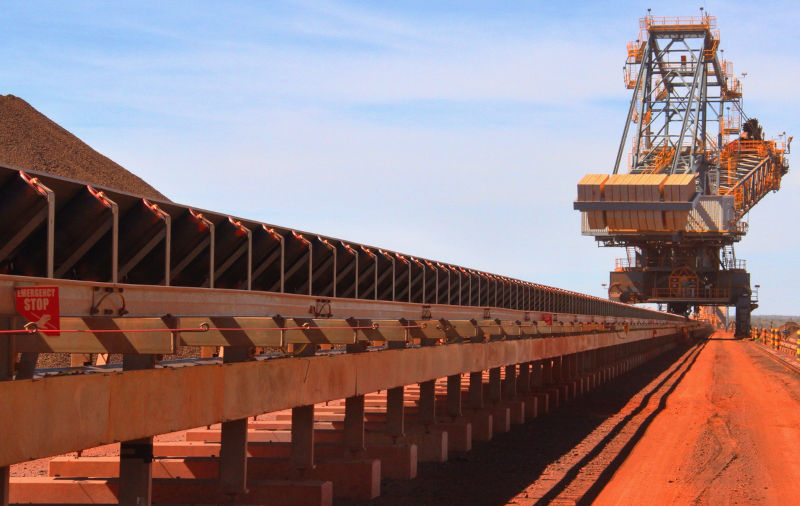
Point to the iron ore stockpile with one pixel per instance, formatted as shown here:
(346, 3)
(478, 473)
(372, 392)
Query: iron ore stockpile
(329, 371)
(31, 140)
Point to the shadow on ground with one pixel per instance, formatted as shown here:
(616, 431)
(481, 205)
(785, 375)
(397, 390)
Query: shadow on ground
(494, 472)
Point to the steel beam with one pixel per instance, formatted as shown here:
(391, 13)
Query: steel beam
(88, 412)
(143, 252)
(99, 335)
(77, 297)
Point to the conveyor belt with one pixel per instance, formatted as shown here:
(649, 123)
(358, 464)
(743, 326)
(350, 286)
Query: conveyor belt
(56, 228)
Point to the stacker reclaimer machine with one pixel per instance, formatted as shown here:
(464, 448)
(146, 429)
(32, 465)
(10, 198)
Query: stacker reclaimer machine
(697, 165)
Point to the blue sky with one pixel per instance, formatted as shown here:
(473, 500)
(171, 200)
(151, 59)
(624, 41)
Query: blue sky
(449, 130)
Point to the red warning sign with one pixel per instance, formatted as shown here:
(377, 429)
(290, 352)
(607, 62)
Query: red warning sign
(547, 318)
(39, 305)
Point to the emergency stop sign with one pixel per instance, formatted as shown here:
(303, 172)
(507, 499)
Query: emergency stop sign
(39, 305)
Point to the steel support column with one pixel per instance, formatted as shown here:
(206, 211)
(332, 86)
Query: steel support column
(354, 423)
(233, 448)
(427, 402)
(136, 456)
(558, 369)
(495, 386)
(524, 380)
(537, 374)
(571, 366)
(548, 376)
(454, 395)
(510, 383)
(395, 411)
(476, 390)
(27, 365)
(302, 454)
(5, 474)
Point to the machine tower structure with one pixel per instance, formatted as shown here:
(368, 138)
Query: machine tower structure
(697, 164)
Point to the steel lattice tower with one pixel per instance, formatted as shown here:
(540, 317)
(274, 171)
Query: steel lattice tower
(697, 164)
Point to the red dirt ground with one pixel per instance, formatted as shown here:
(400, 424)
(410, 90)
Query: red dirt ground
(730, 434)
(717, 424)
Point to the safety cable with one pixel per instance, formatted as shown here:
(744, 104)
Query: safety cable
(31, 328)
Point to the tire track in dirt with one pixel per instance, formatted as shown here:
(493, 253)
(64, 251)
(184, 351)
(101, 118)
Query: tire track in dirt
(728, 436)
(579, 475)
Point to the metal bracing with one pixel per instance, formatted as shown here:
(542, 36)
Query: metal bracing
(671, 99)
(677, 120)
(102, 236)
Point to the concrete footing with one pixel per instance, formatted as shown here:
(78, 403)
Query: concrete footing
(351, 478)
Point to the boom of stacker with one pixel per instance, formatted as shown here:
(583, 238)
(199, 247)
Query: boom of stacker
(697, 165)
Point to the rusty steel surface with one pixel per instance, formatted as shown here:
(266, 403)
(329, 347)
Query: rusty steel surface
(68, 413)
(78, 298)
(53, 227)
(148, 319)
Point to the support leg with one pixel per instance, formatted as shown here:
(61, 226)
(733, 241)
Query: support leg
(558, 370)
(233, 447)
(547, 372)
(27, 365)
(80, 359)
(427, 402)
(454, 395)
(354, 423)
(136, 456)
(135, 471)
(395, 412)
(495, 386)
(302, 455)
(510, 386)
(524, 380)
(476, 390)
(537, 375)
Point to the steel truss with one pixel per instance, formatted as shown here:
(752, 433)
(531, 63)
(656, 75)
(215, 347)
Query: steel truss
(57, 228)
(685, 114)
(681, 87)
